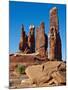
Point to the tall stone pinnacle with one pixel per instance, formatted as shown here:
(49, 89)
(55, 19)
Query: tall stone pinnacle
(54, 19)
(23, 40)
(54, 36)
(31, 38)
(41, 40)
(22, 27)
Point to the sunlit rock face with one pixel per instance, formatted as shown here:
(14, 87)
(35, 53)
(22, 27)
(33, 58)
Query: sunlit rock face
(27, 43)
(31, 39)
(54, 36)
(41, 40)
(49, 73)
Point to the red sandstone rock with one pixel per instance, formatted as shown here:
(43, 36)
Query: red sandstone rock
(31, 39)
(54, 37)
(47, 73)
(23, 40)
(41, 40)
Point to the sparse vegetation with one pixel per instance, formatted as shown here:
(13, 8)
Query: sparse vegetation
(20, 69)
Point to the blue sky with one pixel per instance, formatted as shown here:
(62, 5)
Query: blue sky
(33, 13)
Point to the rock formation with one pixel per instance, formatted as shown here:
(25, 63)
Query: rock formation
(23, 40)
(41, 70)
(41, 40)
(31, 39)
(54, 36)
(27, 43)
(49, 73)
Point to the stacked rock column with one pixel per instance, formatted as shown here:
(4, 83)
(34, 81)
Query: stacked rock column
(31, 39)
(23, 40)
(41, 40)
(54, 36)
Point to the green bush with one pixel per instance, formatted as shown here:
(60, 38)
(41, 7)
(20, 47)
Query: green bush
(20, 69)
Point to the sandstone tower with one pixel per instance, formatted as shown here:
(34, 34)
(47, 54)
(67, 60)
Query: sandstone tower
(23, 40)
(31, 38)
(54, 36)
(41, 40)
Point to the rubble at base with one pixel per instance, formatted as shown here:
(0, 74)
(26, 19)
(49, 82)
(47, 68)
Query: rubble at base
(47, 74)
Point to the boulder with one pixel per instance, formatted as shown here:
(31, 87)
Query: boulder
(51, 72)
(27, 83)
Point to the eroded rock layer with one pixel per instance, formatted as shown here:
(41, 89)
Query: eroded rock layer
(49, 73)
(41, 40)
(54, 36)
(23, 40)
(31, 39)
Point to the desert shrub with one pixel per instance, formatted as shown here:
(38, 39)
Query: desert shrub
(20, 69)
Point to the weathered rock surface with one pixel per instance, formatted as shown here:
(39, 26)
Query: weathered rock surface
(54, 36)
(27, 43)
(31, 39)
(26, 82)
(25, 59)
(49, 73)
(41, 40)
(23, 41)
